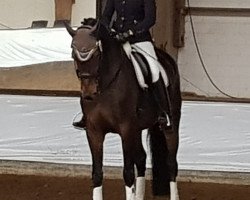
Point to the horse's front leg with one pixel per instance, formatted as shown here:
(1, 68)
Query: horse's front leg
(128, 145)
(95, 139)
(140, 162)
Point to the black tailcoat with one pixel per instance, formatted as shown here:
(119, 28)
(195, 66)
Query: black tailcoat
(136, 15)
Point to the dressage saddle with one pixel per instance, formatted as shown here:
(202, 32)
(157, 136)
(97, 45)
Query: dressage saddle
(144, 66)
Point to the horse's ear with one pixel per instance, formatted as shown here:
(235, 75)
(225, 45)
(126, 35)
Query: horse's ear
(95, 27)
(70, 30)
(95, 30)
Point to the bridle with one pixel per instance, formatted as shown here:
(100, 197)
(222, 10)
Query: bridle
(94, 52)
(85, 56)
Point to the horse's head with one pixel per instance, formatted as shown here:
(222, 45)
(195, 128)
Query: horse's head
(86, 54)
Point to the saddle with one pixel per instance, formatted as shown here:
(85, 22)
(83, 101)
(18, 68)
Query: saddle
(148, 69)
(144, 67)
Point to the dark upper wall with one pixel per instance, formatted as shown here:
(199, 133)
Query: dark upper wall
(169, 29)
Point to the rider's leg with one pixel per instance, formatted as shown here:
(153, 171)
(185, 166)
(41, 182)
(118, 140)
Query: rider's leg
(159, 85)
(160, 94)
(82, 122)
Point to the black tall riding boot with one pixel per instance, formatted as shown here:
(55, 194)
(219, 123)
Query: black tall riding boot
(160, 94)
(82, 123)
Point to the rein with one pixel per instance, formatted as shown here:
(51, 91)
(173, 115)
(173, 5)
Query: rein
(113, 79)
(115, 76)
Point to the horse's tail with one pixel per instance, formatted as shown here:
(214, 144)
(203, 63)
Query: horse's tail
(159, 152)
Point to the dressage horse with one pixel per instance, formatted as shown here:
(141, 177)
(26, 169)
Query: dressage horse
(113, 101)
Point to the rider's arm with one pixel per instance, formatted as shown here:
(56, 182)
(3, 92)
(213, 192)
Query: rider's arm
(149, 19)
(108, 13)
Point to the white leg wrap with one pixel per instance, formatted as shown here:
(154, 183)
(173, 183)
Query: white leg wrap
(174, 191)
(97, 193)
(130, 192)
(140, 188)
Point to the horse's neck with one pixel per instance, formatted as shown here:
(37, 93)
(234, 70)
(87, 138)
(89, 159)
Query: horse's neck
(115, 65)
(111, 48)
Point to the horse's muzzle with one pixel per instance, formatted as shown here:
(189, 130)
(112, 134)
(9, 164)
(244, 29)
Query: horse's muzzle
(88, 98)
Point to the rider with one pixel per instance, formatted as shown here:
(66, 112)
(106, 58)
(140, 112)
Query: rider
(133, 19)
(132, 23)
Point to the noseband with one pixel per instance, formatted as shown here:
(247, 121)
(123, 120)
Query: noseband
(85, 56)
(94, 52)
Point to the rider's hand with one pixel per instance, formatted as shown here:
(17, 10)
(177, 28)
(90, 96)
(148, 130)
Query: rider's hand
(123, 37)
(128, 34)
(120, 38)
(112, 33)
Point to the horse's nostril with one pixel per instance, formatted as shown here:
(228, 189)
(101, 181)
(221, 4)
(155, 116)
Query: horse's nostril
(88, 98)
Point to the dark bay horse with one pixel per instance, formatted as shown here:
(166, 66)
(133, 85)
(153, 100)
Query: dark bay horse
(112, 101)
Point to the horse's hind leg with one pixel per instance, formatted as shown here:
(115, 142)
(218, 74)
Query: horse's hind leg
(172, 140)
(95, 140)
(140, 162)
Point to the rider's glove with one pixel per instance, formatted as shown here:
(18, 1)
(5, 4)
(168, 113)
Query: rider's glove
(123, 37)
(112, 33)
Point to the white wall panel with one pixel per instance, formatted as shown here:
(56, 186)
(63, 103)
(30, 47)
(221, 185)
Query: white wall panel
(220, 3)
(225, 46)
(21, 13)
(83, 9)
